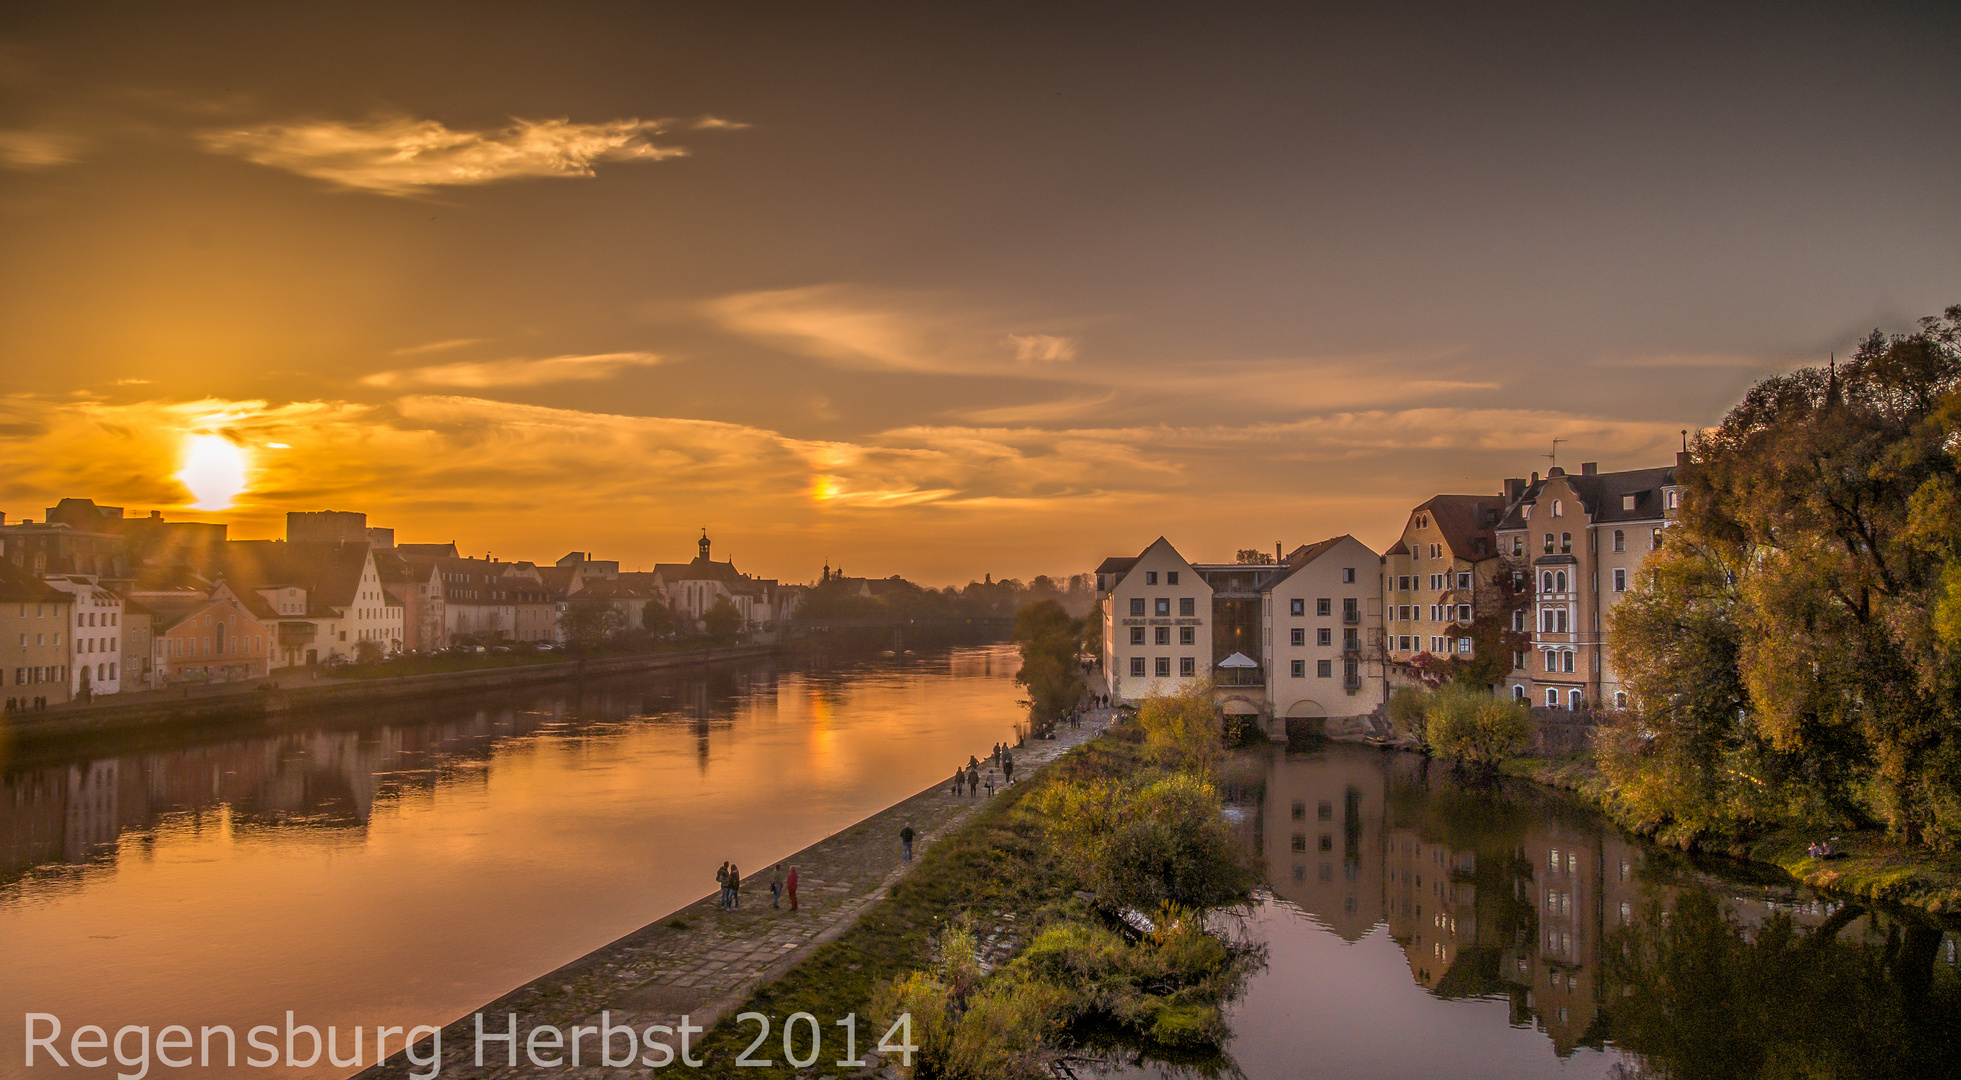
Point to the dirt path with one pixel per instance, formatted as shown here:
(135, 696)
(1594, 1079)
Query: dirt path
(702, 961)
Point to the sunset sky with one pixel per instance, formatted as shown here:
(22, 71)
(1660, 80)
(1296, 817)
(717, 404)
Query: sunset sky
(931, 292)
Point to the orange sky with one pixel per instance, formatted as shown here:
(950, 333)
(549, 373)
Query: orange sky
(929, 292)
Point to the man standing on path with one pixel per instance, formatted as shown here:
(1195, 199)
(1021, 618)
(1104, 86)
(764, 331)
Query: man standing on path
(735, 887)
(1008, 767)
(973, 780)
(776, 885)
(905, 842)
(791, 885)
(722, 879)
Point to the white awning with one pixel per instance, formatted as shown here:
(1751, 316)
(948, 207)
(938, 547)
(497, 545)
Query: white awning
(1239, 660)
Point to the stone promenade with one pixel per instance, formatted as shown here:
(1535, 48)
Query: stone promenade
(702, 961)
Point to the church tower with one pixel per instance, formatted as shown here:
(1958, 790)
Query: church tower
(703, 544)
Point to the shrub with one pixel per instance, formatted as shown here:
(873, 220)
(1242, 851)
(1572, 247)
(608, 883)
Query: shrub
(1471, 726)
(1406, 710)
(1183, 730)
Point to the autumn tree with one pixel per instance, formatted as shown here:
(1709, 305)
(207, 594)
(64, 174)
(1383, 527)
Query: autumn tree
(1048, 640)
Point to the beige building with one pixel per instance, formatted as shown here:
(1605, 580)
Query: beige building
(1438, 578)
(94, 637)
(1322, 615)
(34, 642)
(1578, 541)
(1157, 623)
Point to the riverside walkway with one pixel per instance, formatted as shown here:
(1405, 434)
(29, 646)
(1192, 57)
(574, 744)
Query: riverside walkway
(702, 961)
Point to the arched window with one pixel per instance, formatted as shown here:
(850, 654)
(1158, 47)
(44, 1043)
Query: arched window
(1552, 661)
(1552, 697)
(1559, 581)
(1558, 508)
(1574, 700)
(1620, 699)
(1548, 543)
(1566, 543)
(1620, 540)
(1546, 581)
(1518, 692)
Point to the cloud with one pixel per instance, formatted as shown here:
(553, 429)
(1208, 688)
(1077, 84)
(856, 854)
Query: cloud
(1692, 360)
(439, 346)
(1042, 348)
(398, 155)
(717, 123)
(39, 148)
(479, 374)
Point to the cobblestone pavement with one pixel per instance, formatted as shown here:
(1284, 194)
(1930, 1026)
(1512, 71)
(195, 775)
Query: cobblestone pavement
(702, 961)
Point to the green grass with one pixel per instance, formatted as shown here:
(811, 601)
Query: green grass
(998, 861)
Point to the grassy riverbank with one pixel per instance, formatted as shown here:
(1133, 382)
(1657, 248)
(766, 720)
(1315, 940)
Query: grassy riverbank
(1874, 867)
(998, 882)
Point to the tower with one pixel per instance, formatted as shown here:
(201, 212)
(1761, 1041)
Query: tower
(703, 544)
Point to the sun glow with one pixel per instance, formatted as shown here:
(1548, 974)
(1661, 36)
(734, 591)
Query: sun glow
(214, 471)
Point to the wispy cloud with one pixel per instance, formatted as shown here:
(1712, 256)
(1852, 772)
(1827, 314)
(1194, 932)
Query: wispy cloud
(716, 123)
(40, 148)
(399, 155)
(480, 374)
(438, 346)
(1042, 348)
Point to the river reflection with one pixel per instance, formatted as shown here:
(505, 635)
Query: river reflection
(402, 867)
(1422, 926)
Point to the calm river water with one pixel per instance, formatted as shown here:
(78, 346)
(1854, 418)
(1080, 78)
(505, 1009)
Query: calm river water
(407, 868)
(1420, 926)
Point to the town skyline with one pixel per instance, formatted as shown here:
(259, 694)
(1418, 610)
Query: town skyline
(917, 290)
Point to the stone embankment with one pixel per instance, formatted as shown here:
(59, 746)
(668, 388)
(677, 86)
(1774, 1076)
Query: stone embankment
(290, 697)
(702, 961)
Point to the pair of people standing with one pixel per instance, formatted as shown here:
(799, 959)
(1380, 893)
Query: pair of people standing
(779, 886)
(731, 879)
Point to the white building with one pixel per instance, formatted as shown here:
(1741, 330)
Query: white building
(95, 639)
(1157, 623)
(1323, 634)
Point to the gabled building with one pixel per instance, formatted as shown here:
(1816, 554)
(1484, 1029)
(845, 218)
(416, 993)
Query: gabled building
(418, 588)
(484, 601)
(1439, 577)
(94, 636)
(1579, 540)
(325, 597)
(693, 588)
(1322, 623)
(1157, 623)
(34, 644)
(226, 636)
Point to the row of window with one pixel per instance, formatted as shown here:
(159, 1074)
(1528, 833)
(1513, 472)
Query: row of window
(1438, 613)
(41, 639)
(178, 647)
(88, 618)
(1563, 545)
(1187, 635)
(1187, 606)
(1151, 577)
(1187, 667)
(1440, 645)
(24, 676)
(1325, 669)
(1438, 582)
(94, 644)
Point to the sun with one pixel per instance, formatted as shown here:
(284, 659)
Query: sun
(214, 471)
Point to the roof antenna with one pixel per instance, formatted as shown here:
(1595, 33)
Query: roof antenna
(1554, 456)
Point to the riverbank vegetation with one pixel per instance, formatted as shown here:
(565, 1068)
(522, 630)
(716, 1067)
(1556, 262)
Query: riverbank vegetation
(1794, 651)
(1050, 642)
(1008, 943)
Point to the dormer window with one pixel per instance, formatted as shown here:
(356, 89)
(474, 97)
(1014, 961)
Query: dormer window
(1627, 502)
(1674, 499)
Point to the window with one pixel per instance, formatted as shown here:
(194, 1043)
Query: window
(1188, 635)
(1574, 700)
(1324, 636)
(1463, 613)
(1351, 610)
(1348, 575)
(1518, 545)
(1464, 646)
(1561, 627)
(1300, 814)
(1620, 581)
(1463, 579)
(1297, 636)
(1558, 508)
(1674, 499)
(1403, 643)
(1187, 607)
(1297, 607)
(1566, 543)
(1620, 540)
(1559, 581)
(1548, 543)
(1518, 661)
(1403, 613)
(1171, 577)
(1518, 621)
(1324, 669)
(1164, 667)
(1137, 606)
(1298, 669)
(1164, 606)
(1350, 639)
(1150, 577)
(1552, 660)
(1552, 697)
(1620, 701)
(1137, 667)
(1518, 693)
(1163, 635)
(1324, 606)
(1187, 667)
(1566, 662)
(1654, 541)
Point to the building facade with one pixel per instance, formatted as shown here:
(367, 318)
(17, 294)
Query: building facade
(1157, 623)
(34, 644)
(1323, 630)
(94, 637)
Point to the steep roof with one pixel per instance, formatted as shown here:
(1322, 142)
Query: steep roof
(701, 569)
(19, 587)
(1603, 493)
(329, 571)
(1465, 519)
(441, 551)
(1301, 557)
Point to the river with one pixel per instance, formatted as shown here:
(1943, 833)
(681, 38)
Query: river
(404, 868)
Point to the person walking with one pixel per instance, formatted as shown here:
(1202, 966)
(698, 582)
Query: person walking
(722, 879)
(990, 784)
(790, 885)
(973, 781)
(905, 842)
(775, 886)
(735, 887)
(1008, 767)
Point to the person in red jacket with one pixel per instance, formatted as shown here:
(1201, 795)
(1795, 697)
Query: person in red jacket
(790, 886)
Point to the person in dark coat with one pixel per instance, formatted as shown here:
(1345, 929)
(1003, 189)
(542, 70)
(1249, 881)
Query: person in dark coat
(1008, 767)
(905, 842)
(790, 886)
(735, 887)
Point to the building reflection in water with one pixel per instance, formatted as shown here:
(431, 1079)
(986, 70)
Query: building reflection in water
(1507, 892)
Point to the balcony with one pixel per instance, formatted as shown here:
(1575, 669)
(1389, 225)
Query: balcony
(1351, 618)
(1239, 676)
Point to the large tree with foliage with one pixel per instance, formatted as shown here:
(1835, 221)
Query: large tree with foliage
(1048, 639)
(1831, 498)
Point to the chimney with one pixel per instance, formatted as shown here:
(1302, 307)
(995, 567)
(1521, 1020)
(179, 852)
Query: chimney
(1589, 468)
(1277, 557)
(1535, 476)
(1681, 459)
(1514, 489)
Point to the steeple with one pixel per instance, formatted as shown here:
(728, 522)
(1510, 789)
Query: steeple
(703, 544)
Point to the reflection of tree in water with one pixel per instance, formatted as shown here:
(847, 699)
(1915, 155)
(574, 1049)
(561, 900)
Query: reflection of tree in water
(1712, 997)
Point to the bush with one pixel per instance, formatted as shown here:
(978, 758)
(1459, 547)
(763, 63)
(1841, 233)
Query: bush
(1471, 726)
(1140, 844)
(1406, 711)
(1183, 730)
